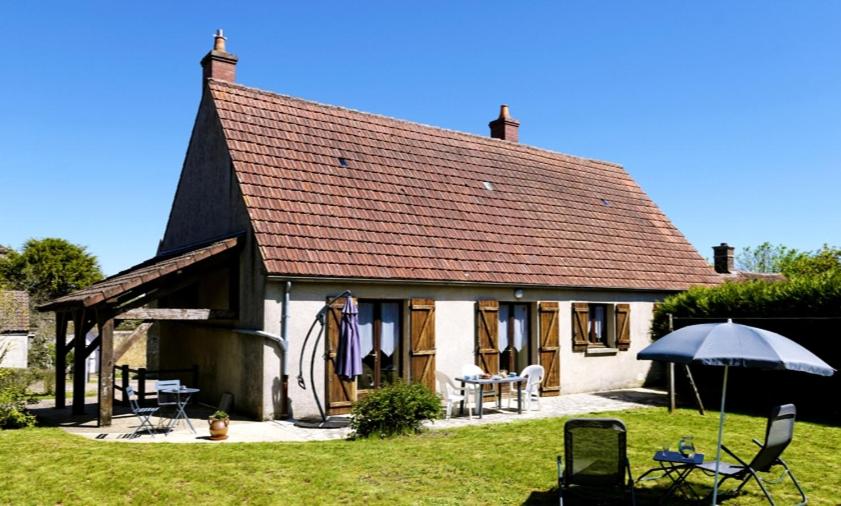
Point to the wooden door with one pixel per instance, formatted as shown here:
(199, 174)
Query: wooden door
(549, 349)
(340, 393)
(422, 335)
(487, 332)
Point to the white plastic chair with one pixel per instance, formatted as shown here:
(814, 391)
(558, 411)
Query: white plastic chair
(531, 392)
(452, 393)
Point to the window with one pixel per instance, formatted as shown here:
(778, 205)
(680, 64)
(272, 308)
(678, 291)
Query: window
(380, 336)
(599, 325)
(597, 331)
(514, 338)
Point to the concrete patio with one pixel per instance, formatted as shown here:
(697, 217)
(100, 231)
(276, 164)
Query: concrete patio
(249, 431)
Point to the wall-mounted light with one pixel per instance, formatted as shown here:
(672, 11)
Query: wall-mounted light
(518, 293)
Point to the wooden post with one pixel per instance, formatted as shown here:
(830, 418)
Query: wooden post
(141, 386)
(694, 389)
(79, 363)
(60, 359)
(106, 372)
(125, 383)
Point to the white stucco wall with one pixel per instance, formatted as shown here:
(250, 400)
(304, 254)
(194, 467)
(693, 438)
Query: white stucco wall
(16, 348)
(455, 329)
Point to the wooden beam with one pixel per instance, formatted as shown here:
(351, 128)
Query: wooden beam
(60, 359)
(129, 342)
(177, 314)
(91, 347)
(106, 375)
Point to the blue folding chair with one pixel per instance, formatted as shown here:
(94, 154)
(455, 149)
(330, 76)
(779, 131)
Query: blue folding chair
(142, 414)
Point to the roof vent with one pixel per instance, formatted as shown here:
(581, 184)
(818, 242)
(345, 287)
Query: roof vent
(343, 162)
(605, 202)
(488, 185)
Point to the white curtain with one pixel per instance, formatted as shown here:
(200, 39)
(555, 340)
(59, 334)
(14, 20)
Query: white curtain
(389, 329)
(366, 328)
(521, 326)
(502, 326)
(597, 322)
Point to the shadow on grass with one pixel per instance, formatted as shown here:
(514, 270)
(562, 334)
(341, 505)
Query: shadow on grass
(577, 496)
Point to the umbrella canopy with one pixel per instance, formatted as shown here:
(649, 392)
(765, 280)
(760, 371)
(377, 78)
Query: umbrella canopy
(730, 344)
(349, 358)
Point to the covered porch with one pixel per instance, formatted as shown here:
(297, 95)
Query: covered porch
(153, 291)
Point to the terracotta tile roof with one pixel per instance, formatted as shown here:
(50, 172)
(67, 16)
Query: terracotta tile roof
(14, 311)
(334, 192)
(139, 275)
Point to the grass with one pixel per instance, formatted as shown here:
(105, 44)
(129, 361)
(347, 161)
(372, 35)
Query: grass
(491, 464)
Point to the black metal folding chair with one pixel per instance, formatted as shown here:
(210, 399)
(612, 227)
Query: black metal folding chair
(595, 456)
(142, 414)
(778, 435)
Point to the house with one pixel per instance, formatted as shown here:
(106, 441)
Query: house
(459, 248)
(14, 329)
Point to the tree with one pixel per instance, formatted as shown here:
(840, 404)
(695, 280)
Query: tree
(825, 260)
(766, 257)
(49, 268)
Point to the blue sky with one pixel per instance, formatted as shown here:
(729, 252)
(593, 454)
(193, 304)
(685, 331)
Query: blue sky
(726, 113)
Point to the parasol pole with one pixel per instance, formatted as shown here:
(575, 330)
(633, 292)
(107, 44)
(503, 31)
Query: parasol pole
(720, 435)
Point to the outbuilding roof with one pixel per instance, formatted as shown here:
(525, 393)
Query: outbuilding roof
(14, 311)
(338, 193)
(140, 275)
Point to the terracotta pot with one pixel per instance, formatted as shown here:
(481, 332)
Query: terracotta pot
(218, 428)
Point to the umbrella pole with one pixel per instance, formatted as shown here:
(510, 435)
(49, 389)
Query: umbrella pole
(720, 435)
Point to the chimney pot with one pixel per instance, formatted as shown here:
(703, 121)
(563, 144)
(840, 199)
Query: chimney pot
(723, 259)
(505, 127)
(219, 64)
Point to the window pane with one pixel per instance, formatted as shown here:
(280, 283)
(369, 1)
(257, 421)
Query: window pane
(366, 328)
(598, 321)
(502, 332)
(521, 326)
(390, 333)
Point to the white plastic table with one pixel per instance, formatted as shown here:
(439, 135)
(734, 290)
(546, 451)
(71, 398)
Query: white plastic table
(494, 381)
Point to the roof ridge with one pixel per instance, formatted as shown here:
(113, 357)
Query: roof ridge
(486, 140)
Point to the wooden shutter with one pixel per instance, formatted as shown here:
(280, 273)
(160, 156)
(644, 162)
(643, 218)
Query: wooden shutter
(422, 351)
(622, 313)
(550, 348)
(580, 322)
(340, 392)
(487, 330)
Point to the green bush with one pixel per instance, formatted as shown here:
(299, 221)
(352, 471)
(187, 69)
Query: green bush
(13, 397)
(815, 296)
(394, 410)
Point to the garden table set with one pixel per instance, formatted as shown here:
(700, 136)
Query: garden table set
(479, 383)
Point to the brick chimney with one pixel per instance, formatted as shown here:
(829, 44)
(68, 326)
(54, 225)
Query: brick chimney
(504, 127)
(219, 64)
(723, 258)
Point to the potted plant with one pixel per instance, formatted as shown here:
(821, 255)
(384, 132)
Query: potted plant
(219, 422)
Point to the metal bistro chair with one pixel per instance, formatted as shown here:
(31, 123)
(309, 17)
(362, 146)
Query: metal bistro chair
(595, 456)
(142, 414)
(779, 432)
(452, 393)
(168, 402)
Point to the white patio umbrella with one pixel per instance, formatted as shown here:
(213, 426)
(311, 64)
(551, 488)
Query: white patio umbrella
(730, 344)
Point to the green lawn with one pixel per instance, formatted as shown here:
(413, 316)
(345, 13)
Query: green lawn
(492, 464)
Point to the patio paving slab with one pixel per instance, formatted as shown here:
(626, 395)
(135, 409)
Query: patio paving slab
(249, 431)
